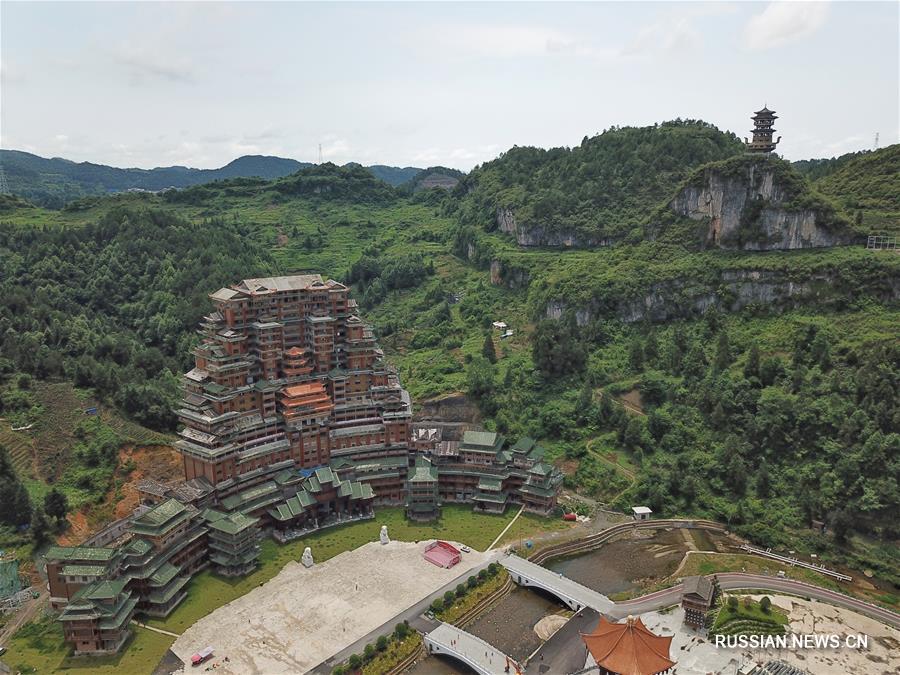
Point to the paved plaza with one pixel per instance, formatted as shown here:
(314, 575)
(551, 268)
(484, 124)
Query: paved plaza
(304, 615)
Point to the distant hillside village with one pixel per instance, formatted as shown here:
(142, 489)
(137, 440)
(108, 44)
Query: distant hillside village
(293, 422)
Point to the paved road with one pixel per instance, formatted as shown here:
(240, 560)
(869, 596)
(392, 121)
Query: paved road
(564, 652)
(738, 580)
(25, 613)
(411, 614)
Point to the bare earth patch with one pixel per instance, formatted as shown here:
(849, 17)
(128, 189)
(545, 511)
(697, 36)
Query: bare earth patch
(304, 615)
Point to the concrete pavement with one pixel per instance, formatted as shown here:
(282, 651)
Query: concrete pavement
(411, 614)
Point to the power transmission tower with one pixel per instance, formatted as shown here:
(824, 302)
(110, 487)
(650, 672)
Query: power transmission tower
(876, 140)
(320, 153)
(4, 184)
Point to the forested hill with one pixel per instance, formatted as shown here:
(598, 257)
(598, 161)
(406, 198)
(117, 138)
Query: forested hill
(55, 182)
(593, 193)
(762, 388)
(868, 185)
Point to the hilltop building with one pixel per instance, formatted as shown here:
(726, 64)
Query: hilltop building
(762, 132)
(293, 422)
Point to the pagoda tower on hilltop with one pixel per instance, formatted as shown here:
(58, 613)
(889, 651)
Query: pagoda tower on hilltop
(762, 132)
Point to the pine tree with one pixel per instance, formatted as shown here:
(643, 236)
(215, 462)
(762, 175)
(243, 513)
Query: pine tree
(723, 353)
(56, 505)
(636, 356)
(488, 351)
(751, 368)
(39, 526)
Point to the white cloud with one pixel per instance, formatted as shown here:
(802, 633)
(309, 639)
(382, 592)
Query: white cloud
(669, 35)
(781, 23)
(143, 66)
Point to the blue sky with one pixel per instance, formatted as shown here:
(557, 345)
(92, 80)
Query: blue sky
(155, 84)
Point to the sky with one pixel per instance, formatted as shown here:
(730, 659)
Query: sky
(421, 84)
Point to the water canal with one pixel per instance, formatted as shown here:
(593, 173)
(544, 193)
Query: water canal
(624, 565)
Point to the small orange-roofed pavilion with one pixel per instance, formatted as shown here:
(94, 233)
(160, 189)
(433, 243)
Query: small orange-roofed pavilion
(628, 648)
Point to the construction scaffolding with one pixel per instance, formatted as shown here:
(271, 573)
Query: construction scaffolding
(878, 242)
(10, 583)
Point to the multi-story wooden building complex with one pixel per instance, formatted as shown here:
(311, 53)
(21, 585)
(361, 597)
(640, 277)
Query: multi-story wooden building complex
(292, 422)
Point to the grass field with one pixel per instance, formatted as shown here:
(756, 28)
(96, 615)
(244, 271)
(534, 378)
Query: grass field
(39, 647)
(709, 563)
(749, 619)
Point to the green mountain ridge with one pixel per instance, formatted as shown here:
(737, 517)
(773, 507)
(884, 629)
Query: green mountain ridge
(57, 181)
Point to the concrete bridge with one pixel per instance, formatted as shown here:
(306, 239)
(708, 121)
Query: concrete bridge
(474, 652)
(577, 597)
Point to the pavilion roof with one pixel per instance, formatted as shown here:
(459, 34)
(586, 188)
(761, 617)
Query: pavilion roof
(628, 648)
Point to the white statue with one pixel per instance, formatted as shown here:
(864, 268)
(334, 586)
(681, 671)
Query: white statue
(307, 558)
(384, 535)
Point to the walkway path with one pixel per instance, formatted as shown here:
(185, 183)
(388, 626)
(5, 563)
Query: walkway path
(509, 525)
(155, 630)
(25, 613)
(471, 650)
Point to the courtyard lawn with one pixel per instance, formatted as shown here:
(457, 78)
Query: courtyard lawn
(529, 524)
(39, 648)
(207, 591)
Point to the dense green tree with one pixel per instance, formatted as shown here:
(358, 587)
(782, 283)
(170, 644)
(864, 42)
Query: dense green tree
(751, 368)
(15, 506)
(40, 527)
(56, 505)
(488, 351)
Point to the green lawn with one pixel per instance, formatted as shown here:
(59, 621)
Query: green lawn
(39, 647)
(749, 620)
(529, 524)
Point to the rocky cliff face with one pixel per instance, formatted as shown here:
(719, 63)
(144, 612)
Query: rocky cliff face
(537, 235)
(733, 291)
(751, 206)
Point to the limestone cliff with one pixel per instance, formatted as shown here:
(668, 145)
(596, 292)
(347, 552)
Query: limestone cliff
(732, 290)
(539, 235)
(758, 204)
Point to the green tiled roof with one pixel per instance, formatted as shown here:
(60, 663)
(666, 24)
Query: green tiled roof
(240, 500)
(164, 574)
(286, 477)
(163, 595)
(160, 518)
(481, 439)
(485, 483)
(84, 570)
(541, 469)
(80, 553)
(423, 472)
(233, 524)
(122, 615)
(523, 445)
(537, 453)
(212, 515)
(103, 590)
(138, 546)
